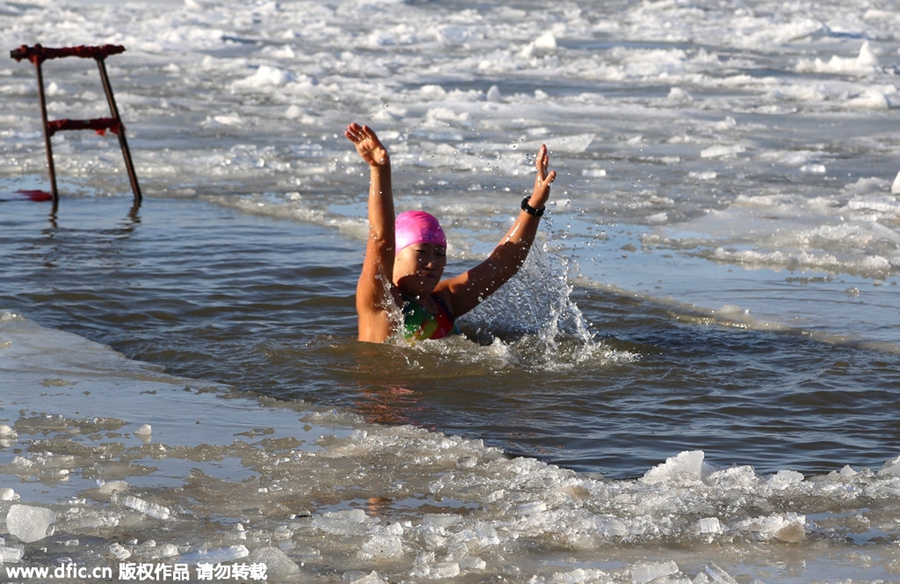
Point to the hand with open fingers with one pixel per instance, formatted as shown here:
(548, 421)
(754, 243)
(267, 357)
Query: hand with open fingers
(368, 145)
(542, 179)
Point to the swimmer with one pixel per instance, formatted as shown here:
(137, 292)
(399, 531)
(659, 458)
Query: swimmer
(410, 253)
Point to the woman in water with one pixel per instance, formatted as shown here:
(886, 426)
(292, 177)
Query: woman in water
(406, 256)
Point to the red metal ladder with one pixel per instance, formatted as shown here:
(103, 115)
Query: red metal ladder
(37, 55)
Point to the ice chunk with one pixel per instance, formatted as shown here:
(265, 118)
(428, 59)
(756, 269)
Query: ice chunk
(144, 433)
(7, 494)
(704, 175)
(892, 466)
(342, 522)
(467, 462)
(382, 546)
(29, 523)
(532, 508)
(472, 563)
(743, 477)
(717, 574)
(721, 151)
(789, 529)
(440, 570)
(277, 563)
(11, 554)
(575, 143)
(119, 552)
(847, 472)
(678, 94)
(232, 119)
(216, 556)
(785, 478)
(265, 76)
(793, 532)
(895, 186)
(685, 466)
(479, 536)
(546, 41)
(146, 507)
(863, 62)
(866, 56)
(7, 433)
(110, 487)
(150, 551)
(711, 525)
(358, 578)
(581, 576)
(650, 571)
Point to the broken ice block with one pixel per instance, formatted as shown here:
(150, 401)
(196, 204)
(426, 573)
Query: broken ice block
(650, 571)
(29, 523)
(382, 546)
(685, 466)
(276, 561)
(342, 522)
(11, 554)
(119, 552)
(146, 507)
(216, 556)
(719, 575)
(144, 433)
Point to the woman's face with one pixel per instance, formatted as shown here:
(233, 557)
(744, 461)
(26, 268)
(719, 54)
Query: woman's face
(418, 268)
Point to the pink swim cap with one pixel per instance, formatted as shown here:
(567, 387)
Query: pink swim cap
(413, 227)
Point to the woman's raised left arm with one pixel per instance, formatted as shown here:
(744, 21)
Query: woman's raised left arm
(469, 289)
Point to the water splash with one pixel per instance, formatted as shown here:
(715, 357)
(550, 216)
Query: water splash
(534, 316)
(535, 302)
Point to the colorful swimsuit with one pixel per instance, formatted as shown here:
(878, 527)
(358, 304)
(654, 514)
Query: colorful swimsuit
(419, 324)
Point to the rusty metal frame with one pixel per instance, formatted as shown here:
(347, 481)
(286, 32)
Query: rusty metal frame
(37, 55)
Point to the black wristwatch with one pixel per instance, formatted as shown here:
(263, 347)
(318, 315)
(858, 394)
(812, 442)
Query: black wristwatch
(531, 210)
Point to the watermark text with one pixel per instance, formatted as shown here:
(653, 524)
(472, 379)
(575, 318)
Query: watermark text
(141, 572)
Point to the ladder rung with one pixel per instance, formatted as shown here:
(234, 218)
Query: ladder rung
(97, 124)
(38, 53)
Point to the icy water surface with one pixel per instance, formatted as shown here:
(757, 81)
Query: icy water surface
(266, 306)
(742, 415)
(693, 379)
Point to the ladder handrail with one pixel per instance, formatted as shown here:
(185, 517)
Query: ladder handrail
(37, 55)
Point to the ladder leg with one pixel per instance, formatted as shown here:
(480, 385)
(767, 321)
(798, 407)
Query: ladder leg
(123, 142)
(48, 146)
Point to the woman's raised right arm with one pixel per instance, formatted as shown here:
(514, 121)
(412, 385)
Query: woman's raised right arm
(373, 295)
